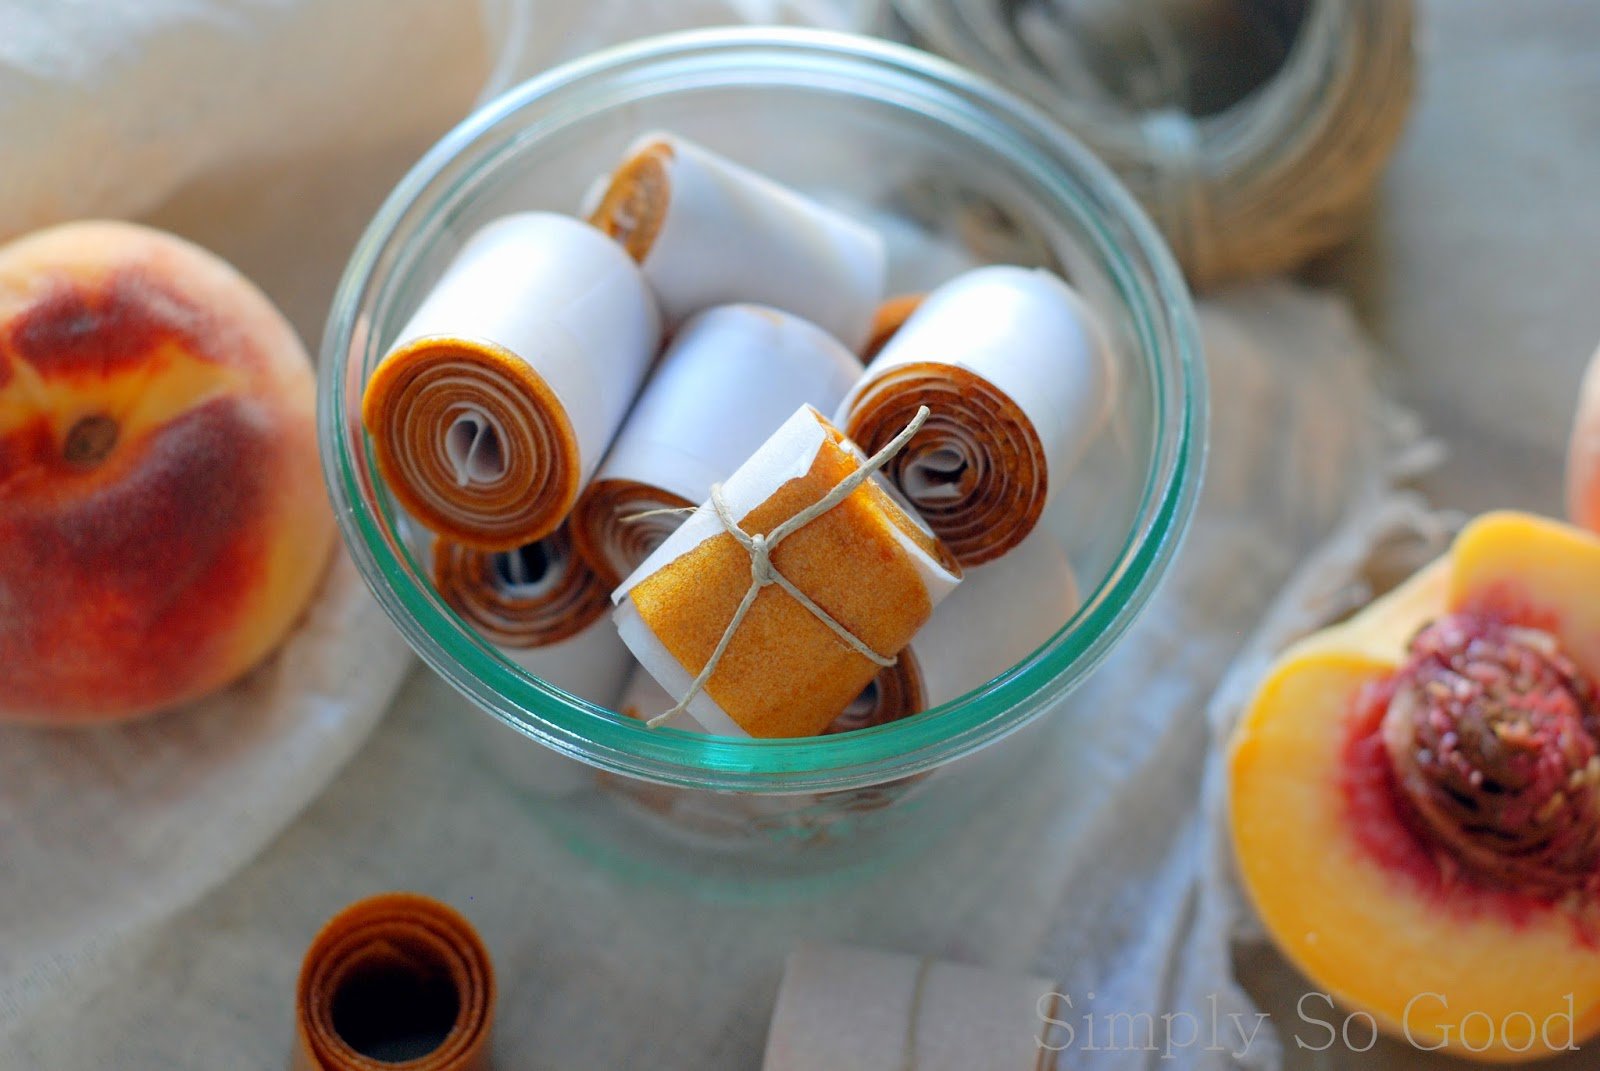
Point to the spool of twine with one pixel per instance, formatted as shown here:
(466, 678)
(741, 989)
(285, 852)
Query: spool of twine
(1253, 131)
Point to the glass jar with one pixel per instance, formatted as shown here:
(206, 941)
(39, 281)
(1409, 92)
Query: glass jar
(956, 172)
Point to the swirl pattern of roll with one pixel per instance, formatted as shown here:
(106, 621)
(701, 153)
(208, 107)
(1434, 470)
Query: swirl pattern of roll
(1016, 369)
(500, 396)
(731, 376)
(707, 232)
(534, 596)
(394, 980)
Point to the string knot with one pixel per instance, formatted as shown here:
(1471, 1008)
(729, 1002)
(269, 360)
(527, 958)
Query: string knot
(761, 571)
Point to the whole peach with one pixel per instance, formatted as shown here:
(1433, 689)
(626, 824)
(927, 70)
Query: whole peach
(162, 519)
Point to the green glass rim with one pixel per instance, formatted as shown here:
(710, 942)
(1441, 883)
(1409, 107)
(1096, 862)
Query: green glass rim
(1134, 258)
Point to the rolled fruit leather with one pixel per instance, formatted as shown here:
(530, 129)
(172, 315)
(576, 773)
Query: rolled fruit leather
(395, 980)
(498, 399)
(707, 231)
(732, 375)
(1017, 371)
(865, 1010)
(522, 599)
(867, 562)
(1001, 614)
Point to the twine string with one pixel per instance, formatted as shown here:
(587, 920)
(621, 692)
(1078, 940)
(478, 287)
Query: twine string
(664, 511)
(764, 574)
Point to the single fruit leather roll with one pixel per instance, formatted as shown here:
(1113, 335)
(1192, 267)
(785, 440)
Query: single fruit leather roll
(521, 599)
(500, 396)
(395, 979)
(591, 665)
(1017, 371)
(870, 565)
(730, 377)
(1001, 614)
(708, 232)
(874, 1011)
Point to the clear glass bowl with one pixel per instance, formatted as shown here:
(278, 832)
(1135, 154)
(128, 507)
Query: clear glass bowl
(956, 172)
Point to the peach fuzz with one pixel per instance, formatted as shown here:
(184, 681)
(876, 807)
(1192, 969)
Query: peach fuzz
(162, 518)
(1447, 937)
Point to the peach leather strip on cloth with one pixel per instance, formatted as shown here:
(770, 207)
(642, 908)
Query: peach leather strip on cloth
(866, 1010)
(1001, 614)
(732, 375)
(499, 398)
(867, 563)
(1017, 371)
(708, 232)
(396, 979)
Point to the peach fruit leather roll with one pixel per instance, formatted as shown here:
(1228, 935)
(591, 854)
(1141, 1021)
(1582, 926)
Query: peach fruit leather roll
(708, 232)
(730, 377)
(1001, 614)
(866, 1010)
(395, 980)
(500, 396)
(867, 563)
(534, 596)
(1017, 371)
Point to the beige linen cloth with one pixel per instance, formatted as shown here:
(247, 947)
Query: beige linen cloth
(269, 130)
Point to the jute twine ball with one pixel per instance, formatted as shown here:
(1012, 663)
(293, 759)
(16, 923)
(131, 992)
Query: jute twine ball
(1252, 130)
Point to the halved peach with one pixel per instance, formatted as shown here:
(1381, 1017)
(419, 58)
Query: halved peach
(1387, 808)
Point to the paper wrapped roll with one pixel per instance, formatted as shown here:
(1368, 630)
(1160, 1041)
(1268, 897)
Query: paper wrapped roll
(533, 596)
(873, 1011)
(785, 672)
(1017, 372)
(499, 398)
(731, 376)
(709, 232)
(1001, 614)
(393, 979)
(591, 665)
